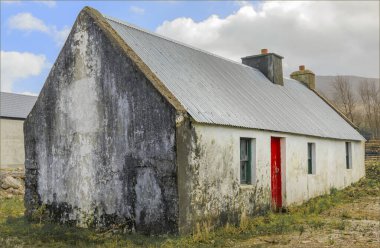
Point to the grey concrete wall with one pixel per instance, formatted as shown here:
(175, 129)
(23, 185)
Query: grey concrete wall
(12, 153)
(100, 141)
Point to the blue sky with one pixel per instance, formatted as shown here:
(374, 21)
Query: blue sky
(342, 40)
(62, 14)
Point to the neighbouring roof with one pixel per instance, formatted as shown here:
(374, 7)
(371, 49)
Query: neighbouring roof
(215, 90)
(16, 105)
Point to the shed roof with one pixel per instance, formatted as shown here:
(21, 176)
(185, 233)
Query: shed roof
(216, 90)
(16, 105)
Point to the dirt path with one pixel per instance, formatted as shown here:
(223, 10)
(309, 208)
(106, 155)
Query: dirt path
(353, 224)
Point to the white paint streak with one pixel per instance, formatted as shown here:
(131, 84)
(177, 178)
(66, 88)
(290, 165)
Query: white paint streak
(148, 193)
(72, 180)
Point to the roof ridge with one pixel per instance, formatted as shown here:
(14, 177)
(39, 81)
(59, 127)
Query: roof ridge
(175, 41)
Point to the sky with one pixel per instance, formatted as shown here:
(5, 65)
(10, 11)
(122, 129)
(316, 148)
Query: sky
(330, 37)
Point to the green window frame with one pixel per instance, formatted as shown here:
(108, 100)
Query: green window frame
(348, 155)
(245, 160)
(310, 158)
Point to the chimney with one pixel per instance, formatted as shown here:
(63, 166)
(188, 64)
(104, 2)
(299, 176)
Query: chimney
(304, 76)
(270, 64)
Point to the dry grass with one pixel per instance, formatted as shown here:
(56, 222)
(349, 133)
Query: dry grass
(328, 212)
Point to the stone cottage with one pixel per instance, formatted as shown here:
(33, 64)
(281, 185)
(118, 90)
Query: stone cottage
(13, 110)
(141, 131)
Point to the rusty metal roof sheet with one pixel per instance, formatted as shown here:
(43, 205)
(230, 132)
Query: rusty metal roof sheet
(216, 90)
(16, 105)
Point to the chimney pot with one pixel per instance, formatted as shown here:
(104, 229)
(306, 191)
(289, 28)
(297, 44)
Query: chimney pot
(302, 67)
(264, 51)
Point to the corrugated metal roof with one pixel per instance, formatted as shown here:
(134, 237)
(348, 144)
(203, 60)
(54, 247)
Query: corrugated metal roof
(16, 105)
(215, 90)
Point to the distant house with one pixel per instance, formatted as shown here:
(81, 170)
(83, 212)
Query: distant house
(13, 110)
(141, 131)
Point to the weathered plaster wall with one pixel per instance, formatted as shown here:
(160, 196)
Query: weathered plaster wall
(100, 140)
(12, 143)
(209, 177)
(330, 167)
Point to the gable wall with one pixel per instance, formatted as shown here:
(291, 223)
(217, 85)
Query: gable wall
(100, 140)
(209, 172)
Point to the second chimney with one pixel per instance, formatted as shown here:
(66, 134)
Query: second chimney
(270, 64)
(305, 76)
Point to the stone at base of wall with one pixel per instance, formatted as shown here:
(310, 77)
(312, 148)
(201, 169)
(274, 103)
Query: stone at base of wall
(12, 182)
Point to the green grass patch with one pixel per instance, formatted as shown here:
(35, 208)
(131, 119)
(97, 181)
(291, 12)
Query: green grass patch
(15, 230)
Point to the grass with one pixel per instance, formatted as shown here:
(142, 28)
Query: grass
(16, 231)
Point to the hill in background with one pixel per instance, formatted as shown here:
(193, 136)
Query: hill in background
(324, 84)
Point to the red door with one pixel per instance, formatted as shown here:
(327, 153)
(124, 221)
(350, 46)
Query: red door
(276, 172)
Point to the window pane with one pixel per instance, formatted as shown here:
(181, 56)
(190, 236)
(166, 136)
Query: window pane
(310, 166)
(311, 158)
(309, 150)
(243, 150)
(245, 161)
(243, 172)
(348, 155)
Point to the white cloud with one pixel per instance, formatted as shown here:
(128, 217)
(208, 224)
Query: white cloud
(60, 36)
(28, 93)
(137, 10)
(11, 1)
(242, 3)
(16, 66)
(49, 3)
(27, 22)
(328, 37)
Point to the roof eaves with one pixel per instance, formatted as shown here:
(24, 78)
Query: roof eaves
(274, 131)
(11, 117)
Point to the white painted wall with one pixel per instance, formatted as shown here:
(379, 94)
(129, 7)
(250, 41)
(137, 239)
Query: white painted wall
(298, 186)
(12, 153)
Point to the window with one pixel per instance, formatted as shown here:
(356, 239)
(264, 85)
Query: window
(310, 158)
(348, 155)
(245, 161)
